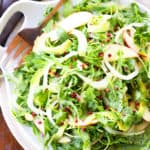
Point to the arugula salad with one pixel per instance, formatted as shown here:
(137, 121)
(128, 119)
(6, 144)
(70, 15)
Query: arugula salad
(86, 83)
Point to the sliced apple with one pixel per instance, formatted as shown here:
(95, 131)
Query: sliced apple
(114, 52)
(40, 45)
(128, 39)
(90, 120)
(39, 123)
(146, 115)
(75, 20)
(141, 126)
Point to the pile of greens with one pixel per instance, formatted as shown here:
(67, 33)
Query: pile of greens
(88, 87)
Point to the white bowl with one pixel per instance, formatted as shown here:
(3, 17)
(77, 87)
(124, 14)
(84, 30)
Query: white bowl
(33, 12)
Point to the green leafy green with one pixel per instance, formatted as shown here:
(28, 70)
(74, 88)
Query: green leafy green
(59, 86)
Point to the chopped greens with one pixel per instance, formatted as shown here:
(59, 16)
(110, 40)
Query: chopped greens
(86, 85)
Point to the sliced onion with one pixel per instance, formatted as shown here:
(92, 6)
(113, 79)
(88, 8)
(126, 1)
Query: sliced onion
(119, 75)
(128, 27)
(30, 104)
(129, 41)
(49, 113)
(82, 42)
(66, 57)
(90, 120)
(112, 50)
(120, 32)
(105, 69)
(111, 131)
(34, 87)
(100, 85)
(136, 24)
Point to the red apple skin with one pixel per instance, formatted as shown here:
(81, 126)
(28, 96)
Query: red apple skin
(128, 40)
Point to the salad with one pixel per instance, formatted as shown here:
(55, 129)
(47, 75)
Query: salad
(86, 83)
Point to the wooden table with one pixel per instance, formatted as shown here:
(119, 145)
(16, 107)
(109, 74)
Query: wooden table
(7, 141)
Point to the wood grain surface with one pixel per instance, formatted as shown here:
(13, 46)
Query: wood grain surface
(7, 141)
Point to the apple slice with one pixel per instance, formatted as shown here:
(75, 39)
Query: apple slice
(128, 40)
(146, 115)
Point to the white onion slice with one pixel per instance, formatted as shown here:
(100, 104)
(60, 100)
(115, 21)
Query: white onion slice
(82, 42)
(119, 75)
(49, 113)
(31, 105)
(64, 140)
(128, 27)
(102, 84)
(112, 50)
(111, 131)
(90, 120)
(71, 54)
(45, 79)
(34, 87)
(120, 32)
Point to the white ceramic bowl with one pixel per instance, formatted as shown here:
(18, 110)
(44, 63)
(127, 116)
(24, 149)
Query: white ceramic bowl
(33, 12)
